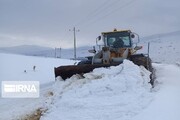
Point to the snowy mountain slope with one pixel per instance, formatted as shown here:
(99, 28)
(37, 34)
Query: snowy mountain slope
(161, 35)
(163, 50)
(33, 50)
(24, 49)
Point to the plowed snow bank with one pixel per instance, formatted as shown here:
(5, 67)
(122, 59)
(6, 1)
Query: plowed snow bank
(118, 92)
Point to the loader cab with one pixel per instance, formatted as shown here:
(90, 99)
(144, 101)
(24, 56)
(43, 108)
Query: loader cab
(118, 39)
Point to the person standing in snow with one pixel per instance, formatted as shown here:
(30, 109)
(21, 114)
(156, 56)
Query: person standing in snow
(34, 68)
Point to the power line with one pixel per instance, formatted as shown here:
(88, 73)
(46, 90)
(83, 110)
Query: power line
(115, 10)
(90, 14)
(103, 7)
(110, 13)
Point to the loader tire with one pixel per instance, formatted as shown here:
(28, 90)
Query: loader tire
(143, 60)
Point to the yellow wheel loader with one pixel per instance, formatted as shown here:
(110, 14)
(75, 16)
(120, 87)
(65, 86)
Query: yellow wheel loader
(117, 46)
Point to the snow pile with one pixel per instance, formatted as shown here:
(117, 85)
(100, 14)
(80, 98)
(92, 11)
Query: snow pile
(118, 92)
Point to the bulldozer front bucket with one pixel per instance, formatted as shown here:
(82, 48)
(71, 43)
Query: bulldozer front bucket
(68, 71)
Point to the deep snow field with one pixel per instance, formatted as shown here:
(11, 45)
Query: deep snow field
(115, 93)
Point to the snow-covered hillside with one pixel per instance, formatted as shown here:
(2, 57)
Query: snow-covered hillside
(163, 49)
(25, 49)
(33, 50)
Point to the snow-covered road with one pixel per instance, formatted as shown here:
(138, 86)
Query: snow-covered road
(19, 108)
(166, 104)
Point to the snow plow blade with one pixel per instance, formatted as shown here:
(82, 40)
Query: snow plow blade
(70, 70)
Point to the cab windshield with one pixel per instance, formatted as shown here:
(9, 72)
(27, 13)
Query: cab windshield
(117, 39)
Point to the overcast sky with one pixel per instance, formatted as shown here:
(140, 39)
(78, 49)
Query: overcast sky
(47, 22)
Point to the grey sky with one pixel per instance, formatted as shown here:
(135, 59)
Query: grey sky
(47, 22)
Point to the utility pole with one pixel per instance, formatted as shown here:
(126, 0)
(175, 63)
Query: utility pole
(55, 53)
(60, 52)
(74, 31)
